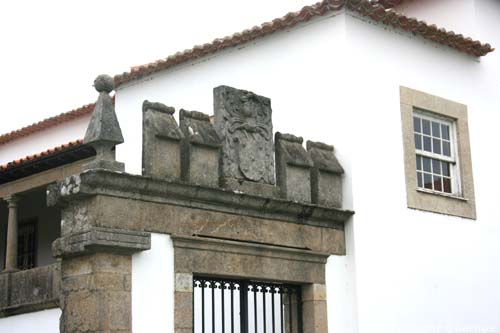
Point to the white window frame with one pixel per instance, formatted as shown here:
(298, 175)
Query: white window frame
(453, 159)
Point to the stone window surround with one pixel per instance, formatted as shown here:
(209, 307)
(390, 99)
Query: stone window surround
(219, 257)
(462, 205)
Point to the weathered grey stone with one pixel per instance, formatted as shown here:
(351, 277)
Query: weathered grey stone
(314, 308)
(248, 260)
(103, 240)
(95, 294)
(326, 175)
(103, 132)
(201, 149)
(161, 142)
(244, 124)
(30, 290)
(293, 166)
(211, 199)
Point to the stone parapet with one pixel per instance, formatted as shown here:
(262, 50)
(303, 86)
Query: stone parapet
(201, 149)
(161, 142)
(30, 290)
(293, 165)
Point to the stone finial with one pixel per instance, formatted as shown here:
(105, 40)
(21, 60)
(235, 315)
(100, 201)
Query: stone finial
(103, 132)
(243, 122)
(293, 166)
(326, 175)
(161, 142)
(201, 149)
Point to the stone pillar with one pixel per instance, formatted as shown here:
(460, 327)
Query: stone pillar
(96, 293)
(183, 322)
(11, 249)
(314, 308)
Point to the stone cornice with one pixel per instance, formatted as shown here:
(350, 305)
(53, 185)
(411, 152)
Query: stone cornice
(117, 184)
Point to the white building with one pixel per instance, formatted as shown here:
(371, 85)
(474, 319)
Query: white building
(422, 247)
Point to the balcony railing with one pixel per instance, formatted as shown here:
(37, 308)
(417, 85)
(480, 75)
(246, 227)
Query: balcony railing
(30, 290)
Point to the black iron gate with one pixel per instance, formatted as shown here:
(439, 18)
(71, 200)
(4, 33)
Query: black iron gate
(239, 306)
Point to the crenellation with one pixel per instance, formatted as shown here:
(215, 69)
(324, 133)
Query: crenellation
(161, 142)
(326, 175)
(234, 150)
(293, 166)
(201, 147)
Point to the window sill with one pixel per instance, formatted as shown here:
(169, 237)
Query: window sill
(451, 196)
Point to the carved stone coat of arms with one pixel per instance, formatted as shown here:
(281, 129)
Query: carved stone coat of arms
(243, 121)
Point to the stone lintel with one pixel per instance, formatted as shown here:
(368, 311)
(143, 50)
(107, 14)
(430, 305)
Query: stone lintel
(205, 255)
(101, 240)
(102, 182)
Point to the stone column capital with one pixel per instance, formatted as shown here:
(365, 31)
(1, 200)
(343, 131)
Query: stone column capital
(12, 200)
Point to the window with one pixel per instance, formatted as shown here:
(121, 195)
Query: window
(438, 166)
(435, 156)
(26, 244)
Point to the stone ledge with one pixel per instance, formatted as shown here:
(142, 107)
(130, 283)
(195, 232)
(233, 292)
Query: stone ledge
(101, 239)
(29, 307)
(101, 182)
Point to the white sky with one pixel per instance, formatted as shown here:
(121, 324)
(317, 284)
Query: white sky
(51, 50)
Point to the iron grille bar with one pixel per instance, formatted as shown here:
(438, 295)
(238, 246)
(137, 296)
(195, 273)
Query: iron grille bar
(286, 298)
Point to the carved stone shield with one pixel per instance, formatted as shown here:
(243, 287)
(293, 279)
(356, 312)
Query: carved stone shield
(243, 121)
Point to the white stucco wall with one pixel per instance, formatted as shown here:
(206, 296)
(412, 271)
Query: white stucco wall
(337, 80)
(47, 139)
(40, 322)
(301, 70)
(418, 271)
(153, 287)
(406, 270)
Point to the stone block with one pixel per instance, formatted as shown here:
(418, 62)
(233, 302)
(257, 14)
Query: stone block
(326, 175)
(183, 310)
(161, 142)
(201, 149)
(243, 121)
(293, 166)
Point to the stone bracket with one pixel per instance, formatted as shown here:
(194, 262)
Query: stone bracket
(101, 240)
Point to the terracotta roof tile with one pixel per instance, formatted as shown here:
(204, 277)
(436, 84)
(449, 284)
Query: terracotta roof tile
(46, 123)
(374, 10)
(46, 153)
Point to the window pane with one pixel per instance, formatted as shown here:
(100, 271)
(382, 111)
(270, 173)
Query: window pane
(416, 125)
(447, 185)
(426, 126)
(427, 181)
(446, 168)
(437, 184)
(446, 148)
(435, 130)
(426, 164)
(418, 141)
(436, 146)
(446, 132)
(419, 179)
(419, 163)
(436, 167)
(427, 143)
